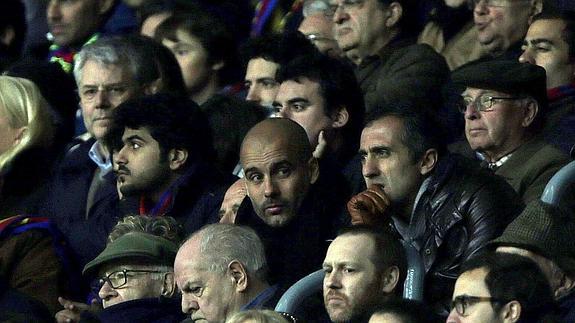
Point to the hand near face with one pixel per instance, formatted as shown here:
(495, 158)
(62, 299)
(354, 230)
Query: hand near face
(369, 207)
(73, 310)
(232, 201)
(321, 146)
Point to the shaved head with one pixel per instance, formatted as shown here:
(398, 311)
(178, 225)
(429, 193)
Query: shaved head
(282, 132)
(279, 168)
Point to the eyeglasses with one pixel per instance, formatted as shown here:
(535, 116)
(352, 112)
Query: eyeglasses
(494, 3)
(344, 5)
(315, 37)
(119, 278)
(461, 303)
(112, 92)
(482, 104)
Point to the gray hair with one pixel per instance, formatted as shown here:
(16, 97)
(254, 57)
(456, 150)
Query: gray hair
(162, 226)
(313, 7)
(259, 316)
(221, 244)
(119, 50)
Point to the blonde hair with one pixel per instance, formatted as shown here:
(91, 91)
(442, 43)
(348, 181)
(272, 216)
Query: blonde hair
(258, 316)
(24, 106)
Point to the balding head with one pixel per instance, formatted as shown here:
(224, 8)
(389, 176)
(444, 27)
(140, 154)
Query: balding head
(279, 168)
(281, 132)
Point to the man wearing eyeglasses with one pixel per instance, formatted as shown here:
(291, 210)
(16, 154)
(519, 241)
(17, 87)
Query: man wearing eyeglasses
(133, 276)
(504, 103)
(501, 288)
(378, 36)
(318, 27)
(502, 24)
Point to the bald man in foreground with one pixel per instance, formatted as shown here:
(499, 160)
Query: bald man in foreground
(289, 212)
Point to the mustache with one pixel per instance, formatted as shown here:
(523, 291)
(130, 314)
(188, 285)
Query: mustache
(333, 294)
(122, 170)
(268, 203)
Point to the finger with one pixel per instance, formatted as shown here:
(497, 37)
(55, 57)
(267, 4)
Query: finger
(321, 145)
(378, 204)
(63, 316)
(362, 202)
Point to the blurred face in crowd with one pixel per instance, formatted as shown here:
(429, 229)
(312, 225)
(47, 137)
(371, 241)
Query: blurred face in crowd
(197, 70)
(361, 26)
(386, 160)
(472, 284)
(545, 46)
(140, 166)
(502, 23)
(260, 81)
(501, 129)
(137, 282)
(206, 295)
(277, 177)
(353, 285)
(101, 89)
(72, 22)
(302, 101)
(319, 30)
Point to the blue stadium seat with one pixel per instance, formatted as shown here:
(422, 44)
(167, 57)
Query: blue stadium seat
(558, 187)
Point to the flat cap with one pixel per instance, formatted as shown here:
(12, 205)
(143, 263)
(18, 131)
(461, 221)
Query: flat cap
(545, 230)
(135, 245)
(506, 76)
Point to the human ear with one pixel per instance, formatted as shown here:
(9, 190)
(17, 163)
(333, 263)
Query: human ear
(238, 275)
(395, 12)
(314, 169)
(536, 8)
(340, 117)
(8, 36)
(153, 87)
(20, 134)
(530, 113)
(565, 287)
(428, 161)
(168, 285)
(511, 312)
(177, 158)
(389, 279)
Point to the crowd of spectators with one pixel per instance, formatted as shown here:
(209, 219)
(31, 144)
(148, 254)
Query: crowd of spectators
(191, 160)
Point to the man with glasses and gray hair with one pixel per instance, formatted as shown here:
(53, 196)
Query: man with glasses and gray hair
(134, 275)
(318, 27)
(503, 105)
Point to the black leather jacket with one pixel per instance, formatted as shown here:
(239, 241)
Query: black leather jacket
(463, 207)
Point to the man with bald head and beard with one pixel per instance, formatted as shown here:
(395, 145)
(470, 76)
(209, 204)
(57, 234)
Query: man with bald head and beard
(285, 208)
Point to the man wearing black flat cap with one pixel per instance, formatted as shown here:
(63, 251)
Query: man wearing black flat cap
(504, 103)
